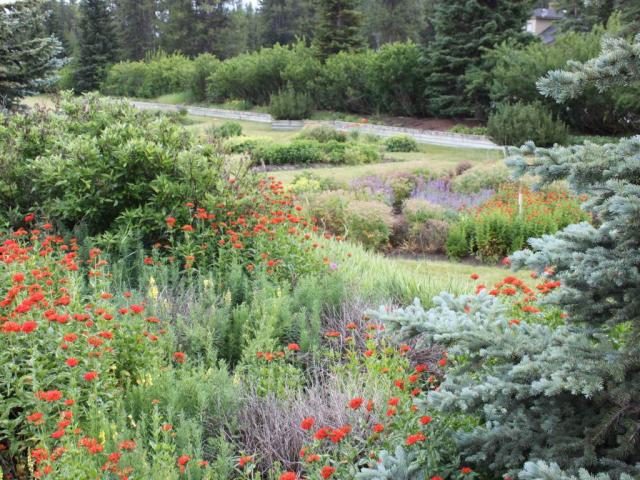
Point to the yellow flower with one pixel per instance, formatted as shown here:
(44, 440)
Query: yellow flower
(153, 289)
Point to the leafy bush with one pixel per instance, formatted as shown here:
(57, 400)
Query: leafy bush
(460, 128)
(290, 105)
(157, 75)
(401, 143)
(417, 210)
(427, 237)
(204, 66)
(103, 165)
(225, 130)
(397, 77)
(296, 152)
(517, 70)
(519, 123)
(496, 228)
(481, 177)
(323, 134)
(369, 223)
(245, 144)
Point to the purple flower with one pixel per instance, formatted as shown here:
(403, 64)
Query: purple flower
(439, 192)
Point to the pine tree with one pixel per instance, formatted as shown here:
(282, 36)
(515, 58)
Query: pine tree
(338, 27)
(27, 54)
(98, 45)
(386, 21)
(463, 30)
(556, 401)
(136, 28)
(284, 21)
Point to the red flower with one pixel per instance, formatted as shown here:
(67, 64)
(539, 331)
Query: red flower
(289, 476)
(294, 347)
(137, 308)
(466, 470)
(90, 376)
(50, 395)
(127, 445)
(170, 222)
(327, 471)
(57, 434)
(72, 362)
(378, 428)
(425, 420)
(417, 437)
(356, 403)
(475, 276)
(36, 418)
(28, 327)
(29, 217)
(182, 461)
(244, 460)
(307, 423)
(18, 278)
(187, 228)
(179, 357)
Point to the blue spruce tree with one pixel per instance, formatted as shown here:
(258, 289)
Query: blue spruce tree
(555, 402)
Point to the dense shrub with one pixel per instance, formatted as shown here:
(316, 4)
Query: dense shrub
(225, 130)
(103, 165)
(519, 123)
(344, 83)
(401, 143)
(517, 70)
(428, 237)
(397, 77)
(460, 128)
(296, 152)
(204, 66)
(256, 76)
(481, 177)
(245, 144)
(323, 134)
(289, 104)
(159, 74)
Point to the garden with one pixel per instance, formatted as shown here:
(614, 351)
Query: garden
(184, 298)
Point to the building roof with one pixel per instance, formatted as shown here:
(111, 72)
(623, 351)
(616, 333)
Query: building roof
(548, 35)
(548, 14)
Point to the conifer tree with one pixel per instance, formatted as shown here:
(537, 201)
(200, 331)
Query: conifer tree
(98, 45)
(136, 28)
(463, 30)
(556, 401)
(284, 21)
(338, 27)
(27, 53)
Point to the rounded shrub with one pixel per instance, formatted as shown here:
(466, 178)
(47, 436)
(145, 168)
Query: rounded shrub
(323, 134)
(225, 130)
(516, 124)
(290, 105)
(296, 152)
(482, 177)
(401, 143)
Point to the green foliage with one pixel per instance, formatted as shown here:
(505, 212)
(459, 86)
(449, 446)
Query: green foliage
(401, 143)
(460, 128)
(290, 105)
(463, 30)
(519, 123)
(103, 165)
(27, 56)
(323, 134)
(338, 27)
(96, 51)
(296, 152)
(396, 77)
(204, 66)
(517, 69)
(457, 245)
(225, 130)
(157, 75)
(481, 177)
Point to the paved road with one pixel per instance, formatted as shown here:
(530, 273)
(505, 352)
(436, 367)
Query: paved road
(432, 137)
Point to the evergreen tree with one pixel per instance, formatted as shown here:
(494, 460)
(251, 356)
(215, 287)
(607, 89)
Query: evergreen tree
(566, 395)
(62, 22)
(463, 31)
(136, 28)
(338, 27)
(284, 21)
(27, 53)
(198, 26)
(386, 21)
(98, 46)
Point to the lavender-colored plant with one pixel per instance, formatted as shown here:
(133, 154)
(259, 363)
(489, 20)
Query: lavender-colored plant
(439, 192)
